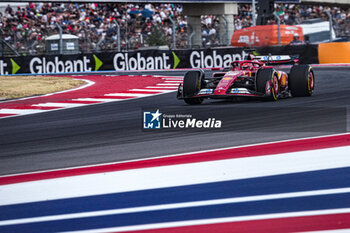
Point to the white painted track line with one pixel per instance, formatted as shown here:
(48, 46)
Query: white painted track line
(167, 84)
(128, 94)
(61, 105)
(180, 81)
(150, 90)
(176, 205)
(176, 175)
(20, 111)
(97, 99)
(162, 87)
(153, 226)
(179, 78)
(347, 230)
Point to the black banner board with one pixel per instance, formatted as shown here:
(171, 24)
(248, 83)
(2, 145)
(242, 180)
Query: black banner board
(144, 60)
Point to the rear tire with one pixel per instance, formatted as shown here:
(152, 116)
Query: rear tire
(262, 77)
(191, 85)
(301, 81)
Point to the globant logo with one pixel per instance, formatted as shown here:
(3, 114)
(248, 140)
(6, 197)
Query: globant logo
(40, 65)
(199, 59)
(157, 120)
(122, 61)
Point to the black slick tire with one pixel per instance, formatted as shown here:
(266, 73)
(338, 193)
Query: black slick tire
(301, 80)
(191, 85)
(262, 77)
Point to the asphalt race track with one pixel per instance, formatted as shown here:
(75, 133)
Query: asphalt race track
(113, 131)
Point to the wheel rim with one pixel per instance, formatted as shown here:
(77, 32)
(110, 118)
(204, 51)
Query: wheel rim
(274, 87)
(310, 82)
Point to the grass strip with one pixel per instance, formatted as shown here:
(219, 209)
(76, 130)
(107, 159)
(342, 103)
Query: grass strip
(23, 86)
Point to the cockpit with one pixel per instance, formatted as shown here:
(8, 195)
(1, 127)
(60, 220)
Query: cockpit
(246, 65)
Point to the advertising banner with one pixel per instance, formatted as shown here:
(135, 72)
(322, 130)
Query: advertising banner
(144, 60)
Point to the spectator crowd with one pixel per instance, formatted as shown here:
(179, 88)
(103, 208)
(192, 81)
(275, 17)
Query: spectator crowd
(95, 24)
(25, 28)
(293, 14)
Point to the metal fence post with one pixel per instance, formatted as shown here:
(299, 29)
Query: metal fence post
(14, 37)
(190, 36)
(330, 18)
(253, 13)
(1, 44)
(118, 34)
(278, 27)
(61, 40)
(100, 42)
(87, 41)
(226, 29)
(174, 33)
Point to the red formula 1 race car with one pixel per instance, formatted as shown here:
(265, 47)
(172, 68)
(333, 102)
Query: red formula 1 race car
(254, 77)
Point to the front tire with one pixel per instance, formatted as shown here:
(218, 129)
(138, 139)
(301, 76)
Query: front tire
(191, 85)
(264, 76)
(301, 81)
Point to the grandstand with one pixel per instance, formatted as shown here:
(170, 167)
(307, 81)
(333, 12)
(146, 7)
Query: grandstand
(24, 26)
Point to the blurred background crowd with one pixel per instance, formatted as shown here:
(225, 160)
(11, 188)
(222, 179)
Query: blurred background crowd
(292, 14)
(25, 27)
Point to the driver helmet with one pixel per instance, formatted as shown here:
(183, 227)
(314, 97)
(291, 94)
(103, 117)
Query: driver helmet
(246, 65)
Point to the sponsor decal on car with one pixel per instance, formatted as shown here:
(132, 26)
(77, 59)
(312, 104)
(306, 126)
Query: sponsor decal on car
(205, 91)
(239, 91)
(235, 90)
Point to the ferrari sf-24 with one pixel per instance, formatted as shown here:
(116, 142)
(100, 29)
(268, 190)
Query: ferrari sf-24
(257, 76)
